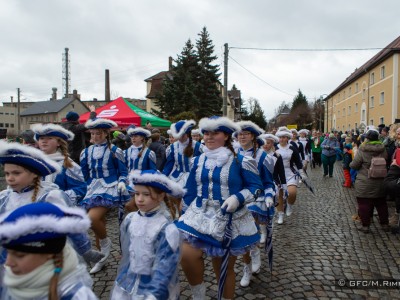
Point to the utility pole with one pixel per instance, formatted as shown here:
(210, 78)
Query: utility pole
(225, 98)
(107, 88)
(66, 73)
(18, 112)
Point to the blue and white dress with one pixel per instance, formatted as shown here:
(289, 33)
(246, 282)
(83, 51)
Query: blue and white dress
(150, 246)
(177, 166)
(291, 161)
(264, 163)
(48, 192)
(69, 180)
(147, 160)
(103, 169)
(211, 181)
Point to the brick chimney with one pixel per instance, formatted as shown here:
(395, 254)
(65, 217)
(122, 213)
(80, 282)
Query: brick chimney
(75, 95)
(54, 94)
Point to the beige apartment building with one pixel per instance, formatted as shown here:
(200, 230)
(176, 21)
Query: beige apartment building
(369, 96)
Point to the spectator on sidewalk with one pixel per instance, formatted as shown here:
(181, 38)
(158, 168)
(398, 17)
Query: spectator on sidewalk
(391, 185)
(347, 158)
(158, 148)
(369, 191)
(329, 147)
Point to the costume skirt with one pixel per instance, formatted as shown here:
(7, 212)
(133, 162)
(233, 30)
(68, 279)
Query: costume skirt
(204, 227)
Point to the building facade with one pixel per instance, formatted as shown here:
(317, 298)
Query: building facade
(369, 96)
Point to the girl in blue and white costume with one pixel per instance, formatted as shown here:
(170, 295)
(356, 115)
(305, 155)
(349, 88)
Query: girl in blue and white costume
(40, 264)
(139, 156)
(104, 169)
(24, 167)
(264, 204)
(293, 164)
(306, 142)
(53, 140)
(219, 181)
(180, 153)
(150, 242)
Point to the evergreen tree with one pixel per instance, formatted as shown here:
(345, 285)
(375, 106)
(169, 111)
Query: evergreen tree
(208, 77)
(255, 113)
(300, 113)
(299, 100)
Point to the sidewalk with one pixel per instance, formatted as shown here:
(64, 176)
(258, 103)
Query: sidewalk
(314, 248)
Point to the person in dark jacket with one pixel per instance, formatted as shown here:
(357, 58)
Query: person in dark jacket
(347, 158)
(76, 146)
(391, 185)
(158, 148)
(329, 147)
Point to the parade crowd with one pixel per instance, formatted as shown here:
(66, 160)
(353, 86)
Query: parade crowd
(214, 190)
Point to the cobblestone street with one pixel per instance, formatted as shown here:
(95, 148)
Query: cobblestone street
(314, 248)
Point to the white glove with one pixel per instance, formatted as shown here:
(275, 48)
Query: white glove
(303, 174)
(121, 187)
(231, 204)
(150, 297)
(269, 201)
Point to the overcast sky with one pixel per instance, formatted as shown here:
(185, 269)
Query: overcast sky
(133, 39)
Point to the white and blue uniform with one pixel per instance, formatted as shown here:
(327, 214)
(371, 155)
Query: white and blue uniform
(48, 192)
(291, 160)
(150, 246)
(70, 180)
(210, 183)
(147, 160)
(177, 166)
(103, 170)
(264, 163)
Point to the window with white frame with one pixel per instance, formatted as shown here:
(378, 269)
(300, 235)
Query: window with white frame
(349, 91)
(344, 112)
(382, 99)
(355, 125)
(371, 122)
(363, 115)
(363, 94)
(356, 108)
(381, 120)
(344, 95)
(383, 74)
(356, 87)
(372, 78)
(338, 113)
(349, 110)
(371, 101)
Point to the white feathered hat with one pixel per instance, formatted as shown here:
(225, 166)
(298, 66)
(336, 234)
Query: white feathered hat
(284, 131)
(216, 123)
(52, 130)
(269, 136)
(139, 131)
(306, 131)
(251, 127)
(182, 127)
(100, 123)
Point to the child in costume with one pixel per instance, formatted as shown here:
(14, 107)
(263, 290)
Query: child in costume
(347, 159)
(53, 141)
(139, 156)
(220, 181)
(24, 166)
(104, 169)
(40, 263)
(150, 242)
(264, 204)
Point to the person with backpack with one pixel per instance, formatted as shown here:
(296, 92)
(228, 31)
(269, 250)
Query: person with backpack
(370, 161)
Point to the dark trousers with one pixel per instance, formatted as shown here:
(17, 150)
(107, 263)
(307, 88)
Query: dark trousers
(328, 162)
(366, 209)
(347, 177)
(316, 156)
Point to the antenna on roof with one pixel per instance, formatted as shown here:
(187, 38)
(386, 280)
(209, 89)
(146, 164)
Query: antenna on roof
(66, 73)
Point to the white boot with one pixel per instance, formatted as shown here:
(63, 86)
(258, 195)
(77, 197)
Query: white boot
(105, 248)
(198, 291)
(263, 231)
(289, 209)
(280, 217)
(245, 282)
(255, 260)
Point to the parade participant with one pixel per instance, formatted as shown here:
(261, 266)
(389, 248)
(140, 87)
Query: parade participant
(249, 146)
(291, 160)
(219, 181)
(170, 137)
(150, 242)
(24, 167)
(28, 138)
(139, 156)
(347, 158)
(329, 147)
(53, 141)
(196, 135)
(104, 169)
(316, 149)
(305, 141)
(235, 142)
(40, 263)
(295, 141)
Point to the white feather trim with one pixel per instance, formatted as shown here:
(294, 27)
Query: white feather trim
(306, 131)
(208, 124)
(178, 134)
(77, 222)
(91, 124)
(133, 131)
(44, 129)
(245, 124)
(177, 190)
(196, 131)
(29, 152)
(293, 130)
(269, 136)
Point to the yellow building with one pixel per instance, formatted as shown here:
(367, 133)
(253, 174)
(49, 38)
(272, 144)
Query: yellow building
(369, 96)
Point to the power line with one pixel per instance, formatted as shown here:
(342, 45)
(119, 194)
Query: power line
(259, 78)
(310, 49)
